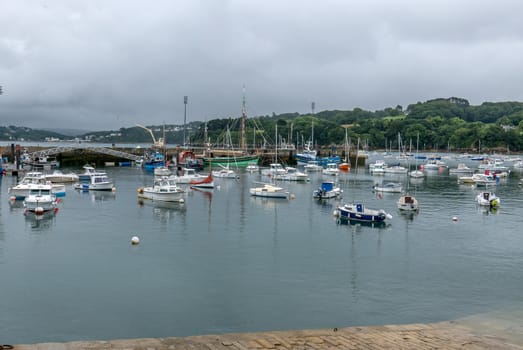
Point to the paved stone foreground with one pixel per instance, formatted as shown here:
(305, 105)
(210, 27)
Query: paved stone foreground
(443, 335)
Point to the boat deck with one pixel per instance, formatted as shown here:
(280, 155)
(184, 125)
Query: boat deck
(461, 334)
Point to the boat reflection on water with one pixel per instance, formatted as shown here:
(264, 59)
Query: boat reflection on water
(408, 215)
(96, 196)
(16, 205)
(165, 211)
(487, 210)
(345, 221)
(40, 222)
(205, 192)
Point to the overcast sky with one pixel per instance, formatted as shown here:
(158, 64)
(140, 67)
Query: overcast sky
(106, 64)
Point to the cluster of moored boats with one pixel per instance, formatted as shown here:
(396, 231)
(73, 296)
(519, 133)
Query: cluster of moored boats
(40, 191)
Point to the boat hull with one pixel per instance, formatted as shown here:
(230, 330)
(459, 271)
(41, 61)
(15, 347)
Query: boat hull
(358, 213)
(155, 195)
(94, 187)
(269, 191)
(240, 161)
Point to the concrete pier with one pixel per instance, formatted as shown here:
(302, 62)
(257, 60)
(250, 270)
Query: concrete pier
(472, 333)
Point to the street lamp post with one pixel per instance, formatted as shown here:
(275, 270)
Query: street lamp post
(184, 118)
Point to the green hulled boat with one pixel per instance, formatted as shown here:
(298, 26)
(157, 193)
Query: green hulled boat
(237, 161)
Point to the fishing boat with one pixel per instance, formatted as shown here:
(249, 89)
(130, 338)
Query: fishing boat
(407, 202)
(38, 163)
(241, 161)
(207, 182)
(40, 199)
(360, 213)
(269, 191)
(98, 181)
(489, 199)
(307, 154)
(240, 158)
(327, 190)
(187, 159)
(163, 189)
(155, 158)
(391, 187)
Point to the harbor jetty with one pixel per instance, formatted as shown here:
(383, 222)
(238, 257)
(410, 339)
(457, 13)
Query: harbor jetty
(470, 333)
(86, 153)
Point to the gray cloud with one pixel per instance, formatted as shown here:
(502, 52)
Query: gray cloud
(108, 64)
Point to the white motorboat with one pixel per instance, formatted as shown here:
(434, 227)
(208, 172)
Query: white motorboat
(488, 199)
(416, 174)
(407, 202)
(392, 187)
(328, 189)
(273, 170)
(164, 190)
(269, 191)
(57, 176)
(493, 165)
(292, 174)
(40, 199)
(162, 171)
(483, 180)
(395, 169)
(378, 167)
(434, 164)
(331, 169)
(97, 182)
(252, 168)
(461, 169)
(89, 171)
(225, 172)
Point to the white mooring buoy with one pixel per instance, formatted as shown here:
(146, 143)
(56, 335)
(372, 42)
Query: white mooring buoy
(135, 240)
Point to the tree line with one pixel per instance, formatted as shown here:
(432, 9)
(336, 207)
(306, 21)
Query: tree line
(436, 125)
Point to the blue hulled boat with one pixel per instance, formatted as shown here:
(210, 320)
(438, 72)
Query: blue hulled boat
(358, 212)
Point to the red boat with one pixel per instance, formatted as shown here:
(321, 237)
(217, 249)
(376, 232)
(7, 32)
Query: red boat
(208, 182)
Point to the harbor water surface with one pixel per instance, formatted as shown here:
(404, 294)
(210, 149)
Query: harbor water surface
(224, 261)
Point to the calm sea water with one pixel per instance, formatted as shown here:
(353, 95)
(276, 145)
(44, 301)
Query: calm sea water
(227, 262)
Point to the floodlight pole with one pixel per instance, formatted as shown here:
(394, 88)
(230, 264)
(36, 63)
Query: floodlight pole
(184, 118)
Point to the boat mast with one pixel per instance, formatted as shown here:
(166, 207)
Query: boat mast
(244, 116)
(312, 124)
